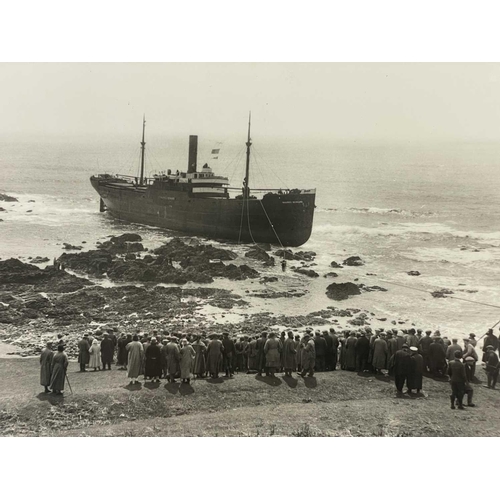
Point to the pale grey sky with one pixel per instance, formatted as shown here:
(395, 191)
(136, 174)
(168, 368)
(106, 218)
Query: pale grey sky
(335, 101)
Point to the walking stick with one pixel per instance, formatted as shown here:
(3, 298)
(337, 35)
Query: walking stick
(69, 385)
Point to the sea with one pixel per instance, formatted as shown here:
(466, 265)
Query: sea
(427, 207)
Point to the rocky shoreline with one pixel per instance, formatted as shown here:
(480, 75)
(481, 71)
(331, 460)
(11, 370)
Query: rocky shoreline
(123, 286)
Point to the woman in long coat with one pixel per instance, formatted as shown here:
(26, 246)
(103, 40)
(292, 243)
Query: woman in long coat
(379, 360)
(46, 367)
(122, 352)
(187, 357)
(289, 355)
(272, 349)
(350, 352)
(199, 365)
(153, 361)
(59, 367)
(214, 352)
(253, 356)
(308, 359)
(135, 353)
(95, 355)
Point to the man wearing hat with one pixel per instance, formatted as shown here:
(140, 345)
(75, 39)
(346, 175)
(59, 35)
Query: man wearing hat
(335, 348)
(492, 366)
(472, 339)
(107, 351)
(320, 347)
(402, 367)
(437, 357)
(308, 356)
(261, 355)
(423, 347)
(489, 340)
(417, 370)
(456, 371)
(411, 338)
(228, 354)
(46, 358)
(470, 359)
(362, 349)
(83, 352)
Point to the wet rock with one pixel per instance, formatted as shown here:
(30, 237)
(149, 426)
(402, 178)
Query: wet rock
(7, 198)
(307, 272)
(353, 261)
(40, 260)
(335, 265)
(2, 209)
(258, 253)
(286, 254)
(268, 279)
(126, 243)
(67, 246)
(413, 273)
(331, 275)
(440, 294)
(342, 291)
(270, 294)
(93, 262)
(373, 288)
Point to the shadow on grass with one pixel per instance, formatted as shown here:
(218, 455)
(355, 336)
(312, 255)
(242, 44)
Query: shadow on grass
(172, 387)
(217, 380)
(272, 381)
(290, 381)
(186, 389)
(53, 399)
(383, 378)
(441, 378)
(365, 375)
(151, 385)
(310, 382)
(133, 387)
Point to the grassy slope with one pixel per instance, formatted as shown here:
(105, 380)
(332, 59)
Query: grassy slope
(332, 404)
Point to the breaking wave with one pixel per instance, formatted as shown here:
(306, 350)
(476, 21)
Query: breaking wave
(378, 211)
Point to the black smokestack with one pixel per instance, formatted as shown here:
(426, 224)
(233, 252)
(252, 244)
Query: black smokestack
(193, 153)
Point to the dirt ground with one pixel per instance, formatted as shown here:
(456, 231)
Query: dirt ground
(330, 404)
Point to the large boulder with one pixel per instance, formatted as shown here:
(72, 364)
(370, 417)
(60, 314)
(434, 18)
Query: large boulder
(353, 261)
(126, 243)
(342, 291)
(307, 272)
(335, 265)
(7, 198)
(258, 253)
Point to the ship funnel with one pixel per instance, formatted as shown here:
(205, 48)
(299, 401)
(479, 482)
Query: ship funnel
(193, 153)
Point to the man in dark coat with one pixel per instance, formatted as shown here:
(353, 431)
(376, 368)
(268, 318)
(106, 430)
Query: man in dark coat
(350, 352)
(46, 358)
(153, 368)
(329, 351)
(83, 352)
(402, 367)
(240, 365)
(456, 371)
(320, 348)
(489, 340)
(261, 355)
(121, 359)
(362, 349)
(492, 367)
(228, 353)
(107, 351)
(423, 349)
(437, 357)
(417, 371)
(335, 348)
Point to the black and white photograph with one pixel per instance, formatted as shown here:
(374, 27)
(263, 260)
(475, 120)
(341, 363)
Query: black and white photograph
(249, 249)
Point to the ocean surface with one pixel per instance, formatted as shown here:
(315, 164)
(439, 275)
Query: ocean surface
(432, 208)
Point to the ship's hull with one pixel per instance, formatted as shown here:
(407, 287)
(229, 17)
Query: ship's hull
(284, 219)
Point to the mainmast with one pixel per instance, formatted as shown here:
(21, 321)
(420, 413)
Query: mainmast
(143, 144)
(246, 186)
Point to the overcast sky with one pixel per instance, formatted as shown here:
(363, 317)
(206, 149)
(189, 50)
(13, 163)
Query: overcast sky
(335, 101)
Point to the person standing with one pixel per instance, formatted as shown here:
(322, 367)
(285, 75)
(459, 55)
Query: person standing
(163, 355)
(417, 371)
(107, 351)
(492, 367)
(214, 351)
(379, 361)
(362, 350)
(423, 347)
(489, 340)
(200, 350)
(335, 348)
(83, 352)
(59, 367)
(153, 367)
(456, 371)
(261, 354)
(252, 355)
(135, 354)
(121, 358)
(411, 338)
(391, 350)
(186, 361)
(289, 355)
(329, 351)
(472, 339)
(437, 357)
(95, 355)
(272, 351)
(402, 367)
(308, 356)
(173, 354)
(470, 359)
(239, 350)
(298, 356)
(228, 354)
(320, 346)
(350, 352)
(46, 358)
(452, 349)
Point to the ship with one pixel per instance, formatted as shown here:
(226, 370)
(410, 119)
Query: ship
(200, 203)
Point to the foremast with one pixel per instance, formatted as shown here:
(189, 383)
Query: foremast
(143, 144)
(246, 181)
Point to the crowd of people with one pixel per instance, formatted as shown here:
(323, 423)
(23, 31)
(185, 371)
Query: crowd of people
(404, 354)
